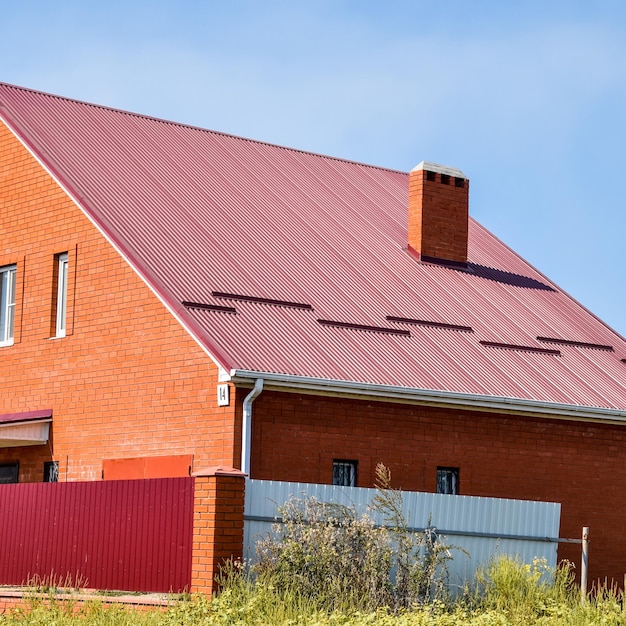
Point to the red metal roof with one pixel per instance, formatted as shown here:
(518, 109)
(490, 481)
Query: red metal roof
(199, 213)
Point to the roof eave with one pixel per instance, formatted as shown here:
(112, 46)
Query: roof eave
(430, 397)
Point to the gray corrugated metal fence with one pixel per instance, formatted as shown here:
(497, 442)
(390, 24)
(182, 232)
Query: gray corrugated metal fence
(482, 528)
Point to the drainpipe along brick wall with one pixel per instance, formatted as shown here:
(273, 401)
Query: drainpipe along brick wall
(218, 525)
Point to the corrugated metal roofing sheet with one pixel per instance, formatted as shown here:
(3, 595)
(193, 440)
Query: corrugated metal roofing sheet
(198, 212)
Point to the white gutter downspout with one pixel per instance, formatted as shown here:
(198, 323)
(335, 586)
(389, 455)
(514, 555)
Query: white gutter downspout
(246, 427)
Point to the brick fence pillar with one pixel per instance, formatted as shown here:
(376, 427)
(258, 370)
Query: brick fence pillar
(217, 524)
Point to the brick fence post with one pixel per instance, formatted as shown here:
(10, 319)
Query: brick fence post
(217, 524)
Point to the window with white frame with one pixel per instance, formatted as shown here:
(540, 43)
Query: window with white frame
(7, 304)
(61, 308)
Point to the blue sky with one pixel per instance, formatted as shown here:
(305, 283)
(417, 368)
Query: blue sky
(527, 98)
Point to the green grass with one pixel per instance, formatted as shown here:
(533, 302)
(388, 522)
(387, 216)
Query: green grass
(508, 594)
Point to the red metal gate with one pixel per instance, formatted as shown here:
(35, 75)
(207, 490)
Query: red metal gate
(132, 535)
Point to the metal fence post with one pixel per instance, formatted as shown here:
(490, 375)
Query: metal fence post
(584, 565)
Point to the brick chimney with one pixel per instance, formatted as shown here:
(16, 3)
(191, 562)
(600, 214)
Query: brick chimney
(438, 214)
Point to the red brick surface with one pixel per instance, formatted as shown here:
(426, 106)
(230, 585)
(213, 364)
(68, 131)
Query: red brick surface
(438, 217)
(218, 528)
(582, 465)
(127, 381)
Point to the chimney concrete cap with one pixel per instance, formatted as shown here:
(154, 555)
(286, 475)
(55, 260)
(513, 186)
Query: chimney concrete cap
(440, 169)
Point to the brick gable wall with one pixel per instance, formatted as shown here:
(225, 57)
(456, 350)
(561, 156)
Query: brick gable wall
(127, 380)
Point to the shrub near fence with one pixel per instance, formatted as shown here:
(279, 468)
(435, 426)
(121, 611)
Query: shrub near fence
(482, 528)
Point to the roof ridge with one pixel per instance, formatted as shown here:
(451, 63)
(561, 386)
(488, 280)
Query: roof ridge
(199, 128)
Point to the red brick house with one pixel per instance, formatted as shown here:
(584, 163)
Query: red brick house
(174, 298)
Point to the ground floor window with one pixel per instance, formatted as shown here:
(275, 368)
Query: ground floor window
(51, 472)
(448, 480)
(344, 473)
(9, 473)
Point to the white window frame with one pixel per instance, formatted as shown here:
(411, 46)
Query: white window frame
(61, 311)
(8, 277)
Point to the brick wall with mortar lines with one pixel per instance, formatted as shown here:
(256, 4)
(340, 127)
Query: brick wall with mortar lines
(218, 526)
(438, 216)
(127, 381)
(582, 465)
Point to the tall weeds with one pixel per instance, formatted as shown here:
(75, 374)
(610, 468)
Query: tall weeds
(420, 557)
(511, 587)
(339, 560)
(509, 593)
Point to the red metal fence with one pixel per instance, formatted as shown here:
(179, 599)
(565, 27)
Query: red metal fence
(132, 535)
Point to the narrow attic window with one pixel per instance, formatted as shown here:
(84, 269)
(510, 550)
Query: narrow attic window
(7, 304)
(209, 307)
(236, 296)
(512, 346)
(60, 308)
(577, 344)
(408, 320)
(373, 329)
